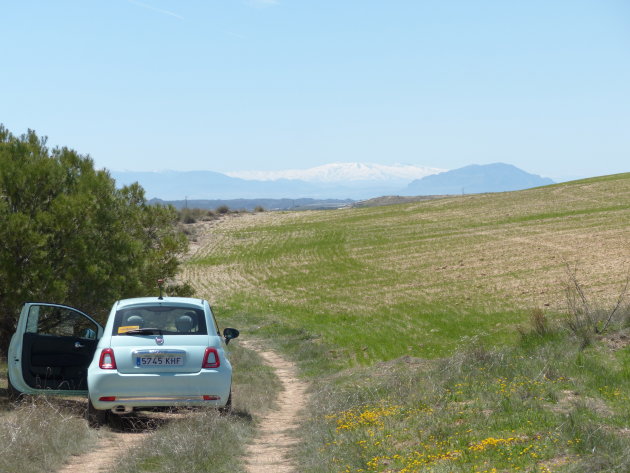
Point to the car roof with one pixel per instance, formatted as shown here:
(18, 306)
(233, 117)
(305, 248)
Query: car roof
(171, 301)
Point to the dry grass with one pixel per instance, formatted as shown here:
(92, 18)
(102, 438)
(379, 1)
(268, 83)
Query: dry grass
(512, 246)
(40, 434)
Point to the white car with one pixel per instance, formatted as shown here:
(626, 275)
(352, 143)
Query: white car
(153, 352)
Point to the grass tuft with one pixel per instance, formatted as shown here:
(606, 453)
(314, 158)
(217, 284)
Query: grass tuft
(38, 435)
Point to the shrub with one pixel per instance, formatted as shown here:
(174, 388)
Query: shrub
(584, 319)
(70, 236)
(539, 323)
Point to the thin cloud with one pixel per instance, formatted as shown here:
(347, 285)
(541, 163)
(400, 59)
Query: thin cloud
(159, 10)
(236, 35)
(264, 3)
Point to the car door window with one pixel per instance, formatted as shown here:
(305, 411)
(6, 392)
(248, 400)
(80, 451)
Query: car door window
(60, 322)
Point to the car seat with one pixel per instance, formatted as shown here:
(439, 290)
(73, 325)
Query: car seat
(135, 319)
(184, 324)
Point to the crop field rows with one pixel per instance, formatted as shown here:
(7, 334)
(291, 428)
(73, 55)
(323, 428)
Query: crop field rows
(446, 268)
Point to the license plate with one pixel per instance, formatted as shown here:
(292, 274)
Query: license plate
(159, 360)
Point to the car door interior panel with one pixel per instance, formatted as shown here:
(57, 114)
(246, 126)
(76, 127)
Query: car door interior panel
(57, 348)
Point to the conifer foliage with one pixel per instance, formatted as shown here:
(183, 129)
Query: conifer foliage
(68, 235)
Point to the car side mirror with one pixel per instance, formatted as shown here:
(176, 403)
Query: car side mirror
(229, 334)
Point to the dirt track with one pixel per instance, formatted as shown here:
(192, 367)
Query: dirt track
(270, 450)
(109, 451)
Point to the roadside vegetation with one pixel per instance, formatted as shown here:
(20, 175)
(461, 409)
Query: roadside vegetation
(544, 404)
(37, 435)
(194, 215)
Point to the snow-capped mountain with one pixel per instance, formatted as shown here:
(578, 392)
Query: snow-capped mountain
(354, 181)
(342, 172)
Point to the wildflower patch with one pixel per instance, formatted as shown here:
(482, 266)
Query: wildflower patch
(364, 416)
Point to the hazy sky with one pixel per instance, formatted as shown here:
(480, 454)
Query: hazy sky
(228, 85)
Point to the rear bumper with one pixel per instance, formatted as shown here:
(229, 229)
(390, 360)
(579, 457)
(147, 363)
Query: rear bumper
(159, 390)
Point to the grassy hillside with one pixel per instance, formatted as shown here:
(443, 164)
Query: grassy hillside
(413, 279)
(471, 290)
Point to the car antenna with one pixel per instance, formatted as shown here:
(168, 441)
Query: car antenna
(161, 286)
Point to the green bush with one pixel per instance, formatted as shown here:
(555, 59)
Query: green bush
(70, 236)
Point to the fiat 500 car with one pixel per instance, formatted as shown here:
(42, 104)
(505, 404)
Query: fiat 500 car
(152, 352)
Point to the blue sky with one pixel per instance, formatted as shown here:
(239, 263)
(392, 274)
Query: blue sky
(231, 85)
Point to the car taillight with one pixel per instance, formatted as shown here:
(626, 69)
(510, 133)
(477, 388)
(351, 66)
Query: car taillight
(211, 358)
(107, 398)
(107, 360)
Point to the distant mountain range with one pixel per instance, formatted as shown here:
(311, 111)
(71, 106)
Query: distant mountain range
(339, 181)
(253, 204)
(174, 185)
(476, 179)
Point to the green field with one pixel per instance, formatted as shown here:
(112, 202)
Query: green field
(436, 335)
(377, 283)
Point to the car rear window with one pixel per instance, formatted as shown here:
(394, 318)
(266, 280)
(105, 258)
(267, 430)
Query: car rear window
(170, 320)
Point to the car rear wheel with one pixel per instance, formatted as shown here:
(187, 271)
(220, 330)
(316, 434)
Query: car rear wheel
(96, 418)
(227, 409)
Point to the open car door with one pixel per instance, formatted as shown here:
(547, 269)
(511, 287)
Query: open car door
(51, 350)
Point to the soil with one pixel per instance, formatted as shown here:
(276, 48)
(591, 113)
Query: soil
(271, 450)
(110, 450)
(123, 434)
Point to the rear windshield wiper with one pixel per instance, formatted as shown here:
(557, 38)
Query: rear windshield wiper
(143, 331)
